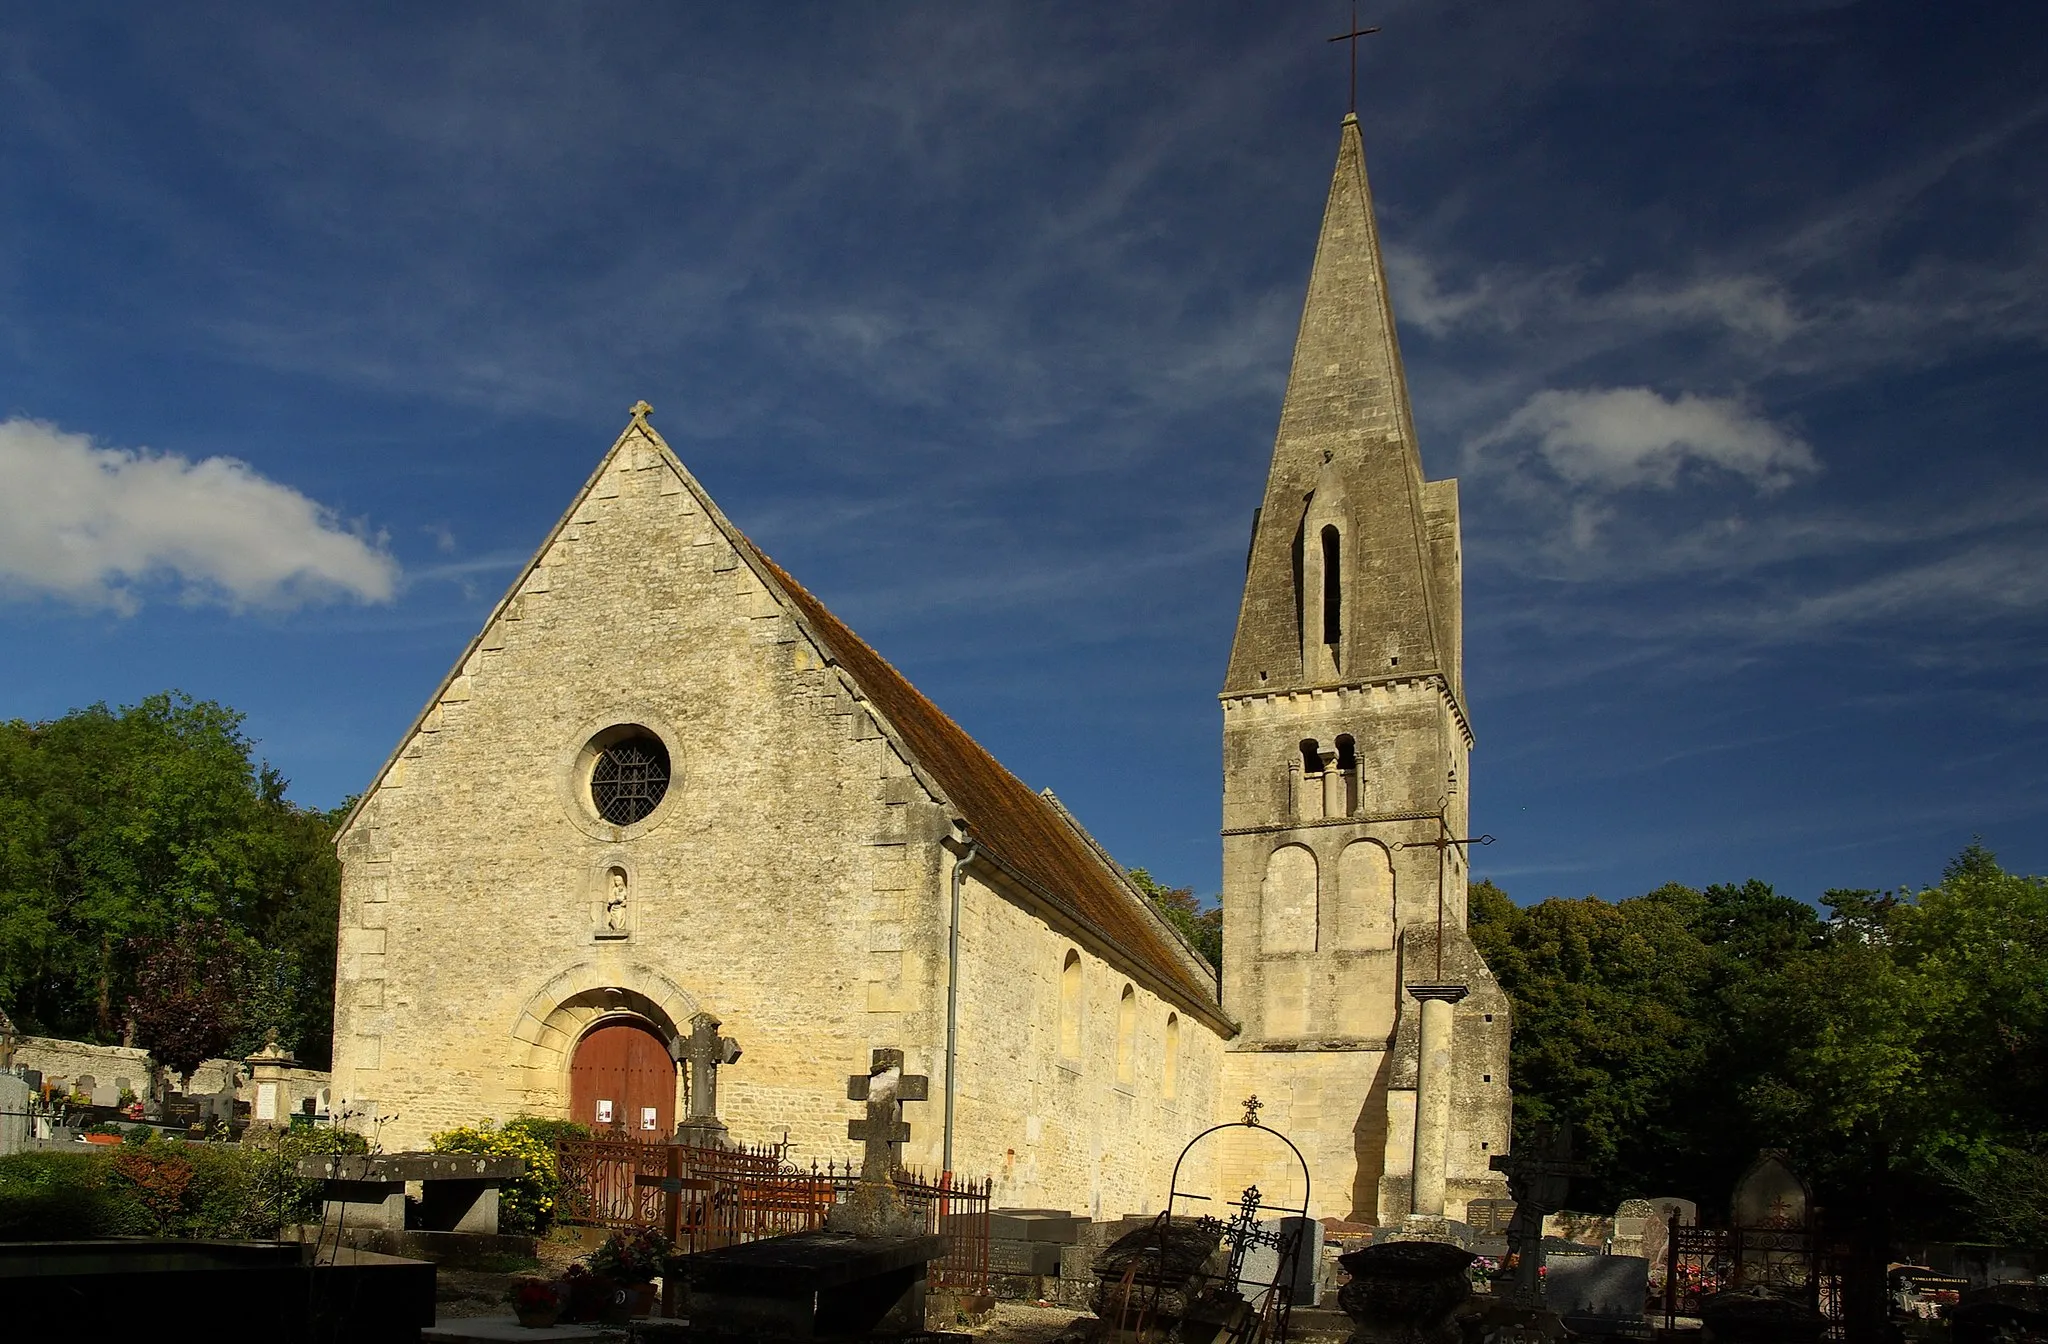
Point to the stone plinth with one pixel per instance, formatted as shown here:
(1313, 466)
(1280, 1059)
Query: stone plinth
(459, 1192)
(813, 1285)
(1405, 1292)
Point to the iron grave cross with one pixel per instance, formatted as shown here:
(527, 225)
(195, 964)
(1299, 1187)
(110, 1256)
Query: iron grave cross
(1540, 1180)
(884, 1087)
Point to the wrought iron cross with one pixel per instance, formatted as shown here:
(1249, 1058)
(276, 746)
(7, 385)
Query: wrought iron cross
(1540, 1180)
(1352, 37)
(884, 1087)
(1443, 842)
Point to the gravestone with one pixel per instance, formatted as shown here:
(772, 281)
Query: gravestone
(14, 1099)
(875, 1208)
(1600, 1295)
(268, 1072)
(703, 1052)
(1634, 1222)
(1770, 1194)
(864, 1274)
(1262, 1259)
(1771, 1212)
(1540, 1181)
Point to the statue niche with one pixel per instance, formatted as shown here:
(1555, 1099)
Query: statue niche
(614, 913)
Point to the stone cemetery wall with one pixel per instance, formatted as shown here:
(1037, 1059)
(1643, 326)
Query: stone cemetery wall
(109, 1068)
(69, 1064)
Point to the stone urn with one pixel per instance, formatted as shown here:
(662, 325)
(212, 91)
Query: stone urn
(1759, 1318)
(1405, 1292)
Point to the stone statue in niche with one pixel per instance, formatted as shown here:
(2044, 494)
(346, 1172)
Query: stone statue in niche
(614, 924)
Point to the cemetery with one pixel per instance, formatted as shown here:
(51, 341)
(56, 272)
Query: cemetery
(460, 1058)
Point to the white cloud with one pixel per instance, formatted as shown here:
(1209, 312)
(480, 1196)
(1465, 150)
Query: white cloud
(95, 525)
(1618, 438)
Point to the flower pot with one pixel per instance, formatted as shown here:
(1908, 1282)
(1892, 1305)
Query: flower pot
(628, 1300)
(102, 1138)
(538, 1318)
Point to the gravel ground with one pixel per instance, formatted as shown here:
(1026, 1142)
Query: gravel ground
(1018, 1323)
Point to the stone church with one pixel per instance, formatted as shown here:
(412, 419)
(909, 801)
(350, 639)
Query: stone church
(668, 807)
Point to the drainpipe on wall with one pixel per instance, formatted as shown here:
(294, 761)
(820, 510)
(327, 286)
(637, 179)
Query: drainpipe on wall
(953, 996)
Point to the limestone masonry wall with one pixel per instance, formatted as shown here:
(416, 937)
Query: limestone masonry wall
(795, 882)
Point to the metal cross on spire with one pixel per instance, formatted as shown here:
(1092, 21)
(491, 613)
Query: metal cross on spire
(1352, 37)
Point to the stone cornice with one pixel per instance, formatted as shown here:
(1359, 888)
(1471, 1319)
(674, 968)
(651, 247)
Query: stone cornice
(1430, 677)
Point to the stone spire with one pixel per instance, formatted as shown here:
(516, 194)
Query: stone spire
(1346, 492)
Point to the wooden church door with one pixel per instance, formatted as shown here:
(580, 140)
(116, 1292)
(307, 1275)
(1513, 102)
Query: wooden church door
(623, 1079)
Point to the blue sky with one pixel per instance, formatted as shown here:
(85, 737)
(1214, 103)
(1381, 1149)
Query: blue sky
(1730, 319)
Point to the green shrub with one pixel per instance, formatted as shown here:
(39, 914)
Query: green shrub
(525, 1206)
(58, 1197)
(152, 1187)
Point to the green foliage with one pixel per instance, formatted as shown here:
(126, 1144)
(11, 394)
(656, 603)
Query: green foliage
(632, 1255)
(152, 1187)
(1897, 1045)
(120, 826)
(58, 1197)
(525, 1206)
(1203, 928)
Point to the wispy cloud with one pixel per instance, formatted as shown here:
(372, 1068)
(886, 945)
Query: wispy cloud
(1619, 438)
(101, 527)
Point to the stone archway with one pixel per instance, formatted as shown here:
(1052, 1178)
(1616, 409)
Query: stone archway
(563, 1011)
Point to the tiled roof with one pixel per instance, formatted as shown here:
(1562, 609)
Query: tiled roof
(1020, 830)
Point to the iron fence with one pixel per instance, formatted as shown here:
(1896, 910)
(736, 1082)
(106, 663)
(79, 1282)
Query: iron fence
(712, 1197)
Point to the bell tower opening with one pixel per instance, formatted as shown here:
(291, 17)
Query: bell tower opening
(1333, 592)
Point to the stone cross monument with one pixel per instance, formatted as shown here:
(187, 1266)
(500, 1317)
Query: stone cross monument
(702, 1052)
(875, 1208)
(1540, 1181)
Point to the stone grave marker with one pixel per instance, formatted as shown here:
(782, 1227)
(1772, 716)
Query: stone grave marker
(703, 1052)
(1770, 1194)
(1262, 1259)
(1633, 1222)
(1600, 1295)
(1540, 1181)
(14, 1099)
(875, 1208)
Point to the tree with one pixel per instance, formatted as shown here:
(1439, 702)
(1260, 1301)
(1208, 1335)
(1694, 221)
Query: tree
(118, 826)
(190, 987)
(1898, 1044)
(1201, 926)
(1606, 1029)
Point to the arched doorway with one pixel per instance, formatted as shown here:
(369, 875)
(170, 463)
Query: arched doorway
(623, 1079)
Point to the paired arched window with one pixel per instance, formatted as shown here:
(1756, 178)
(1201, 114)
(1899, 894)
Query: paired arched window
(1070, 1005)
(1328, 785)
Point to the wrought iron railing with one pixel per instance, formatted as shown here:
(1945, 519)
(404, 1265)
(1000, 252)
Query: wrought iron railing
(725, 1196)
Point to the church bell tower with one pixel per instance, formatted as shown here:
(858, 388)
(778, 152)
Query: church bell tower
(1371, 1027)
